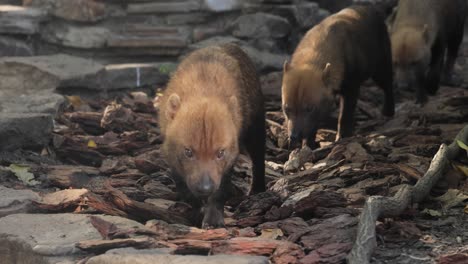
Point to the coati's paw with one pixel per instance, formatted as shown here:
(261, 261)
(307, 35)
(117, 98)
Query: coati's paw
(213, 219)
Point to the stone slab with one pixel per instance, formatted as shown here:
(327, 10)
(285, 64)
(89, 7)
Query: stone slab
(53, 235)
(75, 36)
(14, 47)
(76, 10)
(46, 101)
(174, 259)
(164, 7)
(29, 131)
(20, 20)
(16, 201)
(29, 75)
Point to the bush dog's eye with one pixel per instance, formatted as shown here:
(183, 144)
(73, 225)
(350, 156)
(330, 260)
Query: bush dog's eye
(220, 154)
(188, 153)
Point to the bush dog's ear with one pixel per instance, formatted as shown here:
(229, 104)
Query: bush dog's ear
(173, 105)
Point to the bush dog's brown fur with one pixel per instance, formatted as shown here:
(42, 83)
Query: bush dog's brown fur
(334, 58)
(421, 33)
(212, 109)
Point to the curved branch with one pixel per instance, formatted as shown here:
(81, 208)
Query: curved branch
(379, 206)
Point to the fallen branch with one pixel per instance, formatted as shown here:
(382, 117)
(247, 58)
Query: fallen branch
(117, 203)
(379, 206)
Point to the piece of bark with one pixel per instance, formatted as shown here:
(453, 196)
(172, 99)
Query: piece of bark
(105, 228)
(62, 201)
(118, 118)
(306, 206)
(177, 231)
(288, 226)
(138, 210)
(65, 176)
(101, 246)
(80, 155)
(100, 204)
(298, 157)
(256, 205)
(280, 251)
(192, 247)
(88, 121)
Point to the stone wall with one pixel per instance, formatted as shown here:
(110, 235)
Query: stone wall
(118, 31)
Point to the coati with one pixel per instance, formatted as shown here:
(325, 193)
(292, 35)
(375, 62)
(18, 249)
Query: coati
(211, 110)
(334, 58)
(422, 34)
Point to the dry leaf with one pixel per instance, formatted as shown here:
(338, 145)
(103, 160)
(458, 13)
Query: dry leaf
(433, 213)
(74, 100)
(462, 168)
(21, 171)
(271, 233)
(462, 145)
(451, 198)
(92, 144)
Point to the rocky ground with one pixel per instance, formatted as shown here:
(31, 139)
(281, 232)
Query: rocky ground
(82, 179)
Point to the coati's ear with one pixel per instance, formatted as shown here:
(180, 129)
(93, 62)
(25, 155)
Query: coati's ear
(425, 32)
(286, 66)
(326, 75)
(173, 105)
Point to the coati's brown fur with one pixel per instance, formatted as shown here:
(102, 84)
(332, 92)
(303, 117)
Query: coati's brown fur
(334, 58)
(421, 34)
(213, 108)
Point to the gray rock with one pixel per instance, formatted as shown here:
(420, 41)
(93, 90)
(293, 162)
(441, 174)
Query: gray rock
(29, 75)
(261, 25)
(16, 201)
(215, 41)
(221, 5)
(264, 61)
(123, 76)
(130, 250)
(164, 7)
(271, 84)
(24, 130)
(20, 20)
(52, 235)
(14, 47)
(79, 10)
(191, 18)
(46, 101)
(68, 35)
(309, 14)
(174, 259)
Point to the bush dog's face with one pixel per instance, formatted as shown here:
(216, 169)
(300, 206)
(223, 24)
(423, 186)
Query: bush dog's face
(303, 94)
(203, 142)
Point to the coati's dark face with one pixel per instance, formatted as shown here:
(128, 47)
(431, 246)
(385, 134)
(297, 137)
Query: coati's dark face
(411, 54)
(304, 92)
(201, 143)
